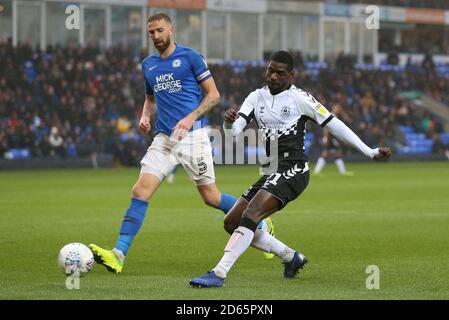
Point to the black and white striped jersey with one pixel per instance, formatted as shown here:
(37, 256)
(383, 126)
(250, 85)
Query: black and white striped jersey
(282, 118)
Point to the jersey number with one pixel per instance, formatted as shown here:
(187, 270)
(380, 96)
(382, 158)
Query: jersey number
(274, 180)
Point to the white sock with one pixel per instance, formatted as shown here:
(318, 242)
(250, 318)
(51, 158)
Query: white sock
(266, 242)
(340, 165)
(237, 244)
(119, 255)
(320, 165)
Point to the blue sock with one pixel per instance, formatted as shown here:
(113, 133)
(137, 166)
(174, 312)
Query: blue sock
(131, 224)
(227, 202)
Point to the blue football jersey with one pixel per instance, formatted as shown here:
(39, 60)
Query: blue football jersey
(175, 84)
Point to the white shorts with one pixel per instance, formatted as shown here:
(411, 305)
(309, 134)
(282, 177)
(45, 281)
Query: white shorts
(194, 153)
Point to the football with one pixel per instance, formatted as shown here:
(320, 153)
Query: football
(75, 259)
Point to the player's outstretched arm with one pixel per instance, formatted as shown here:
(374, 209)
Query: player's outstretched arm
(384, 154)
(342, 132)
(233, 124)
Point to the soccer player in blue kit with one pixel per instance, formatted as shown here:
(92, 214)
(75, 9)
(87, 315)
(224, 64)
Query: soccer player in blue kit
(174, 77)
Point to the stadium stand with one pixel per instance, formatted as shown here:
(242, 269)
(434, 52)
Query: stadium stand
(434, 4)
(78, 102)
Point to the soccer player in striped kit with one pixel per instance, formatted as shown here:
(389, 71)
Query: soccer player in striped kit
(280, 111)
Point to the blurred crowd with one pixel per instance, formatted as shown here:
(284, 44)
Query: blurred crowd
(76, 102)
(368, 101)
(376, 103)
(70, 102)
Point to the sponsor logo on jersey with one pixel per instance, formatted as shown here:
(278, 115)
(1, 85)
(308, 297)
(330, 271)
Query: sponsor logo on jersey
(261, 109)
(321, 109)
(167, 82)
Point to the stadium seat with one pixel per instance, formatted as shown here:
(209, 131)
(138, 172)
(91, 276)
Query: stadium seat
(445, 137)
(71, 150)
(414, 136)
(406, 129)
(13, 154)
(416, 142)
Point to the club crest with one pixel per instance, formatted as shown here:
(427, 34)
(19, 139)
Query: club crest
(285, 112)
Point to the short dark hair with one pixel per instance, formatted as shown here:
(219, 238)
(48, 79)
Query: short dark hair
(159, 16)
(283, 57)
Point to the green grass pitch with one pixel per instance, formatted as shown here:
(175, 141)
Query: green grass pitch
(393, 215)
